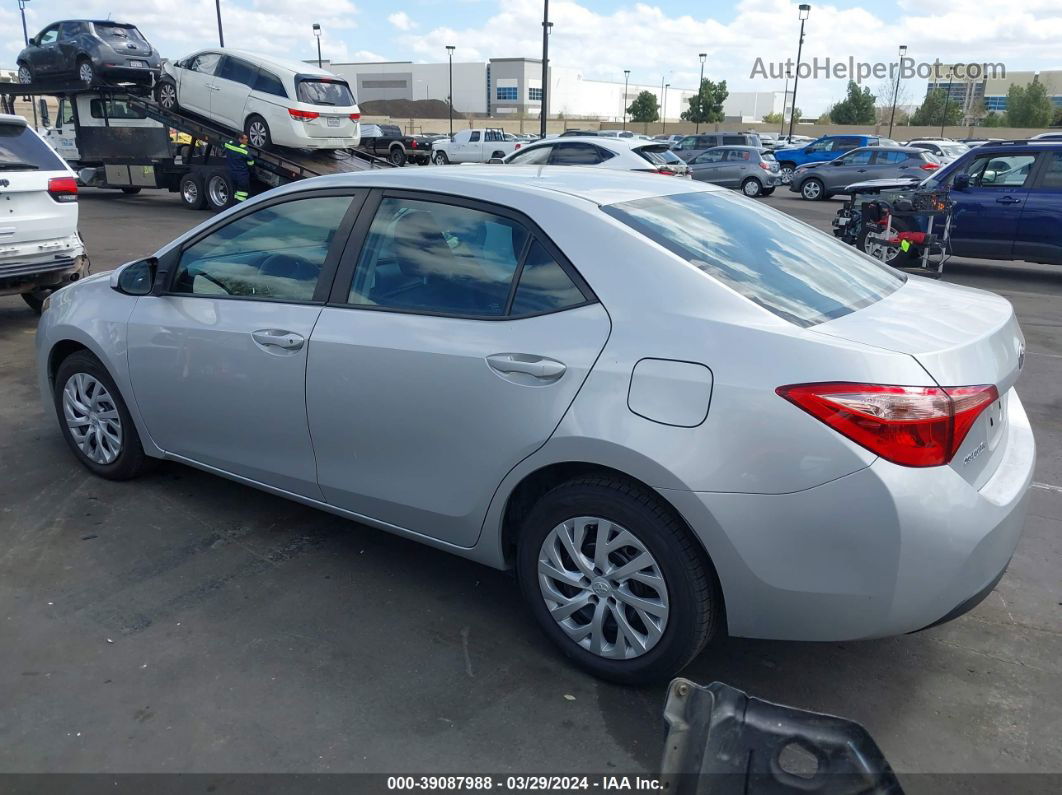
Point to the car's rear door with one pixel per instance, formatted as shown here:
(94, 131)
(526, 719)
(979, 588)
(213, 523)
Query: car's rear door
(1039, 236)
(986, 214)
(455, 339)
(217, 354)
(233, 81)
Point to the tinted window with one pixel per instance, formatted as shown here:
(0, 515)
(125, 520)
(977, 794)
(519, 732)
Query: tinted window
(206, 63)
(114, 109)
(69, 29)
(473, 137)
(238, 71)
(1000, 171)
(1052, 177)
(734, 140)
(535, 156)
(441, 258)
(843, 144)
(577, 154)
(20, 148)
(275, 253)
(796, 272)
(269, 84)
(739, 155)
(688, 142)
(858, 158)
(324, 92)
(544, 286)
(49, 36)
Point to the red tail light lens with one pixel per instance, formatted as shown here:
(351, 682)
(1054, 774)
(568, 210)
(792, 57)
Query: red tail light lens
(909, 425)
(63, 189)
(665, 172)
(517, 147)
(764, 166)
(302, 115)
(929, 166)
(355, 117)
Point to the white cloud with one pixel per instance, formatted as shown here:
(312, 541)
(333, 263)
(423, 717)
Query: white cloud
(401, 20)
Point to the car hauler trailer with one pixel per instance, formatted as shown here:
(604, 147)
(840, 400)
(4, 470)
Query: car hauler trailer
(114, 137)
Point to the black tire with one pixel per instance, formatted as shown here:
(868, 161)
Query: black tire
(898, 258)
(191, 191)
(812, 189)
(131, 460)
(132, 190)
(218, 191)
(35, 300)
(767, 191)
(439, 158)
(397, 156)
(752, 187)
(86, 72)
(258, 132)
(787, 170)
(25, 73)
(166, 95)
(695, 604)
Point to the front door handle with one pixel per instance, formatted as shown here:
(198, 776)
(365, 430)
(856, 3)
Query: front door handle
(1007, 200)
(277, 338)
(537, 367)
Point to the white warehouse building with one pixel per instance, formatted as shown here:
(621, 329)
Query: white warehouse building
(509, 87)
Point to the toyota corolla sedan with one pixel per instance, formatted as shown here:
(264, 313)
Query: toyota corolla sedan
(274, 101)
(673, 411)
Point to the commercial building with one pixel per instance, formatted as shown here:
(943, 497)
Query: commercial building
(512, 87)
(969, 94)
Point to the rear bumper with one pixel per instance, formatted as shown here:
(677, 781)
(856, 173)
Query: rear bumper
(25, 276)
(884, 551)
(142, 74)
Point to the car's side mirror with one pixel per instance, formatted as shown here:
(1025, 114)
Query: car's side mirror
(135, 278)
(961, 182)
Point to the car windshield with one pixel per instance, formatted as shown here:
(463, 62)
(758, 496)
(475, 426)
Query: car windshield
(112, 32)
(20, 149)
(324, 92)
(954, 150)
(785, 266)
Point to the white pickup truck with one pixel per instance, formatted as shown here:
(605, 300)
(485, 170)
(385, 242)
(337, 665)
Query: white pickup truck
(473, 146)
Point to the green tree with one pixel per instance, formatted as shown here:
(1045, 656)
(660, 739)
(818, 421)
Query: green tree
(825, 118)
(776, 118)
(937, 109)
(1029, 106)
(1057, 120)
(707, 104)
(993, 119)
(856, 108)
(644, 108)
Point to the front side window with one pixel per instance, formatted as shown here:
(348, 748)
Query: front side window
(1000, 171)
(473, 137)
(822, 146)
(49, 36)
(205, 63)
(324, 92)
(789, 269)
(535, 156)
(858, 158)
(275, 253)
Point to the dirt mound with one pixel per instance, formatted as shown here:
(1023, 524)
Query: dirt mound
(409, 109)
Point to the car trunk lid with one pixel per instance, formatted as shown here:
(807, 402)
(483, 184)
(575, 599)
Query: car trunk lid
(961, 337)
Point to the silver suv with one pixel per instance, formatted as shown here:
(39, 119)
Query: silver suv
(692, 145)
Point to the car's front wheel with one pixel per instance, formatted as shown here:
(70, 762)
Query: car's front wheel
(25, 74)
(439, 158)
(94, 419)
(616, 580)
(257, 132)
(166, 95)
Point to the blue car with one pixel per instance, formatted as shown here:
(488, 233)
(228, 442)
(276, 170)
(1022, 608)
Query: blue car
(822, 149)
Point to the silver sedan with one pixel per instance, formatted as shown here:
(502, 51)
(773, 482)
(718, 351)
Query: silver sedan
(671, 409)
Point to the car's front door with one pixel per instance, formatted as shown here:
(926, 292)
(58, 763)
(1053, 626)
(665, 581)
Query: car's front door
(45, 56)
(197, 82)
(456, 337)
(1039, 237)
(986, 214)
(708, 166)
(228, 95)
(217, 354)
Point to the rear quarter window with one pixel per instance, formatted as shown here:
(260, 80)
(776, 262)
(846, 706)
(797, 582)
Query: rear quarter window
(779, 263)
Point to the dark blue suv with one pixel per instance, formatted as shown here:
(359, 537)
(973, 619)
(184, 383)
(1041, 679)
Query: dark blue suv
(1008, 201)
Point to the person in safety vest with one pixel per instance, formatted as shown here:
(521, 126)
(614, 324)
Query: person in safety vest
(240, 162)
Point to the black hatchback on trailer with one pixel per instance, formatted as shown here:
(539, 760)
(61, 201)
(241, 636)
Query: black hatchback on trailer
(86, 49)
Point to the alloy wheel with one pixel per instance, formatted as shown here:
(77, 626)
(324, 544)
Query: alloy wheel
(603, 587)
(811, 189)
(86, 72)
(256, 132)
(92, 418)
(751, 188)
(880, 250)
(787, 174)
(190, 193)
(168, 96)
(24, 74)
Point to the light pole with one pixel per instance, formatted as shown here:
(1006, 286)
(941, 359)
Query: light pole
(626, 81)
(544, 111)
(663, 111)
(221, 33)
(896, 91)
(317, 35)
(785, 96)
(702, 56)
(450, 99)
(22, 10)
(804, 9)
(947, 100)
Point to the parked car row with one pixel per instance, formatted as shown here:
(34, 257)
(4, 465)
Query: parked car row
(817, 181)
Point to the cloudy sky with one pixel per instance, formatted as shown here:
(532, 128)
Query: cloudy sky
(599, 37)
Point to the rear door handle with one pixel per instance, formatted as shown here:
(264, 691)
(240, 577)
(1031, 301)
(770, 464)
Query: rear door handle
(1007, 200)
(277, 338)
(535, 366)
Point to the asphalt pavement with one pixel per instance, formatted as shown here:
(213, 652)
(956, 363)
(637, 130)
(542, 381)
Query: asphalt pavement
(182, 622)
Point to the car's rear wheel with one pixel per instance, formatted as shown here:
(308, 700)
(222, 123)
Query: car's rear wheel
(219, 191)
(191, 191)
(257, 132)
(813, 190)
(397, 156)
(25, 74)
(439, 158)
(615, 579)
(86, 73)
(94, 419)
(752, 187)
(166, 95)
(787, 170)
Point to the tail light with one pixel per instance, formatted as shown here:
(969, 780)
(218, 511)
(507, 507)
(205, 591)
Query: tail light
(413, 144)
(929, 166)
(63, 189)
(912, 426)
(665, 171)
(517, 147)
(355, 117)
(764, 165)
(302, 115)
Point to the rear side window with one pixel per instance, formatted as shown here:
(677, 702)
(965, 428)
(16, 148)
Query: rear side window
(21, 149)
(1052, 177)
(578, 154)
(269, 84)
(734, 140)
(535, 156)
(238, 71)
(324, 92)
(543, 285)
(798, 273)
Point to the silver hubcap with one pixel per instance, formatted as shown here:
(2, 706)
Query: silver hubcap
(24, 75)
(218, 191)
(603, 587)
(190, 193)
(752, 188)
(85, 72)
(92, 418)
(167, 96)
(812, 190)
(787, 174)
(257, 133)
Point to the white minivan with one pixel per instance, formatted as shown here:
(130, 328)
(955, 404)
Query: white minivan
(40, 249)
(275, 101)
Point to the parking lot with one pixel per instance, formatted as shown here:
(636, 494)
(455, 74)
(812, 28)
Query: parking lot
(182, 622)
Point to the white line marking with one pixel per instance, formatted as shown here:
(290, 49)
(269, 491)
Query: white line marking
(1048, 487)
(1048, 355)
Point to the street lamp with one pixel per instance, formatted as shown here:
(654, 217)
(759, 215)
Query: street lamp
(663, 111)
(785, 96)
(317, 35)
(22, 10)
(804, 9)
(947, 100)
(626, 81)
(896, 91)
(221, 33)
(450, 56)
(702, 56)
(544, 104)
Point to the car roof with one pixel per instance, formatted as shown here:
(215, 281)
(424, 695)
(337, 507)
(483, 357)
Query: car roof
(117, 22)
(596, 185)
(7, 118)
(288, 64)
(605, 142)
